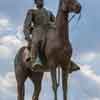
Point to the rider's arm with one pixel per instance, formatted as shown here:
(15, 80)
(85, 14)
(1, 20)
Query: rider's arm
(28, 24)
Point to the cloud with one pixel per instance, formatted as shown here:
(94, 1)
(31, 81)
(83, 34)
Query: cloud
(7, 81)
(4, 22)
(87, 71)
(9, 44)
(95, 99)
(4, 52)
(5, 25)
(86, 81)
(11, 40)
(91, 58)
(84, 84)
(8, 84)
(88, 57)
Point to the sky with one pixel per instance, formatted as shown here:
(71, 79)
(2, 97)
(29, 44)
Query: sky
(84, 37)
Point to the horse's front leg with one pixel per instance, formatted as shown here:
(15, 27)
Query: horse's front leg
(54, 82)
(37, 84)
(37, 89)
(64, 83)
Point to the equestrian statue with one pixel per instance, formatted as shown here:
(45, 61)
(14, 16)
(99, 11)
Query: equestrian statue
(48, 47)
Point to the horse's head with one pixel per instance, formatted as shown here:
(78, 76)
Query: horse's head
(71, 6)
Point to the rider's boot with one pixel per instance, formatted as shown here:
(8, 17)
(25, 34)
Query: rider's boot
(36, 62)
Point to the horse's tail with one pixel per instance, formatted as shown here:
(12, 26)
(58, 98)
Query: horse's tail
(58, 82)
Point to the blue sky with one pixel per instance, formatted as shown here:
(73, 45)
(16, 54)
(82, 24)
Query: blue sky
(84, 36)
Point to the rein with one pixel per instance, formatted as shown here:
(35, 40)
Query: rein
(73, 16)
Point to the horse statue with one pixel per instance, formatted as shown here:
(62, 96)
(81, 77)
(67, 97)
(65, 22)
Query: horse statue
(57, 52)
(58, 49)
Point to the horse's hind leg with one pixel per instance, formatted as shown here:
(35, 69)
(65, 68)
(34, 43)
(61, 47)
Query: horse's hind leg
(20, 79)
(54, 82)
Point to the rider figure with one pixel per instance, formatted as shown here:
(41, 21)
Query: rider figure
(37, 23)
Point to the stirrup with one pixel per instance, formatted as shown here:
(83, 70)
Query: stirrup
(37, 63)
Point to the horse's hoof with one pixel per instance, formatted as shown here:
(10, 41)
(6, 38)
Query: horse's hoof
(34, 98)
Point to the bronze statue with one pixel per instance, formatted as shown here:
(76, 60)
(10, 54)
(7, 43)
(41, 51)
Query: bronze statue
(54, 44)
